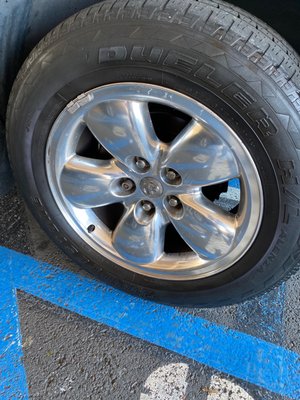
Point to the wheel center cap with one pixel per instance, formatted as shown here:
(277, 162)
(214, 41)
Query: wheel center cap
(151, 187)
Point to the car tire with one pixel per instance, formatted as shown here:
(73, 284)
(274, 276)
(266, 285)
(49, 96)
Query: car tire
(185, 62)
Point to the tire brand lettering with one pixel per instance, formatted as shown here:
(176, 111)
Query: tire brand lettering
(264, 122)
(117, 53)
(180, 61)
(206, 73)
(239, 96)
(140, 53)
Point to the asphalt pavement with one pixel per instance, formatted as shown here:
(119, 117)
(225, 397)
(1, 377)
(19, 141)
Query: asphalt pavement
(69, 356)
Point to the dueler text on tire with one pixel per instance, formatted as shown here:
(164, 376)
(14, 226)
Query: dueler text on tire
(158, 144)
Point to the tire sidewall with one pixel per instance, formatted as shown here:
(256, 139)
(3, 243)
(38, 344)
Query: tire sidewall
(51, 90)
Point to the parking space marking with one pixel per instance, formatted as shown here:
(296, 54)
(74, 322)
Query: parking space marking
(168, 382)
(238, 354)
(12, 374)
(267, 313)
(223, 389)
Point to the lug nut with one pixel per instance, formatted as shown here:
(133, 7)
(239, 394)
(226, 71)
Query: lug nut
(173, 202)
(171, 175)
(147, 206)
(127, 185)
(141, 164)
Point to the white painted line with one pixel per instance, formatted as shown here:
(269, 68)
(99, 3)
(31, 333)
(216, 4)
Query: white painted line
(167, 383)
(223, 389)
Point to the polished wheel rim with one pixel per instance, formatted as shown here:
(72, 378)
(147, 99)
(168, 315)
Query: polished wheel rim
(147, 177)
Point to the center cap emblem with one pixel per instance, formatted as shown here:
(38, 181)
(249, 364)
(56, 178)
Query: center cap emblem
(151, 187)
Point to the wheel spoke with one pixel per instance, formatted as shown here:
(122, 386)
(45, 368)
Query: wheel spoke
(87, 182)
(137, 242)
(150, 205)
(201, 157)
(206, 228)
(125, 129)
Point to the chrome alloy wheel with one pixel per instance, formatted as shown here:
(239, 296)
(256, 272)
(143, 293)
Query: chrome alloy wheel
(131, 166)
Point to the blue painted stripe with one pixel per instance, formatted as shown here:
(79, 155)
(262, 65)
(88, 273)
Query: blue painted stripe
(12, 374)
(265, 315)
(235, 183)
(235, 353)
